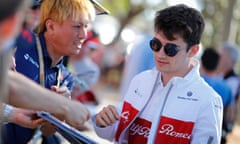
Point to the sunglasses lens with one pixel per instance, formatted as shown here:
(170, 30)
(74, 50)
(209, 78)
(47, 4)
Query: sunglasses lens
(155, 44)
(171, 49)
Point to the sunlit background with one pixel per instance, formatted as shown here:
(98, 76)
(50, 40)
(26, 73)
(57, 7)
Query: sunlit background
(131, 18)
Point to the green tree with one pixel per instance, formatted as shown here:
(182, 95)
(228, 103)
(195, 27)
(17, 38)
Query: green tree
(222, 17)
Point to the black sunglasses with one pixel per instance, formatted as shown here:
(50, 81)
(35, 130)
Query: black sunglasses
(170, 49)
(35, 7)
(36, 4)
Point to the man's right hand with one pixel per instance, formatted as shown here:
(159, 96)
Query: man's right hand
(107, 116)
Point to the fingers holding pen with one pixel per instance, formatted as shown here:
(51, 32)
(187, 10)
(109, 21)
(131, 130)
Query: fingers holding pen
(62, 90)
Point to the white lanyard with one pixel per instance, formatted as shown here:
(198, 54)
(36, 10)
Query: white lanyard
(41, 65)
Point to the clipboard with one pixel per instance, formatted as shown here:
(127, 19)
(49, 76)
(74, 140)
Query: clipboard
(69, 133)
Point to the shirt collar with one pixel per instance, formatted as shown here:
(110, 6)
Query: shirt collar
(46, 55)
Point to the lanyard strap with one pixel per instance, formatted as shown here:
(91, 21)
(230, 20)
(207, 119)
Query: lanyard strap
(41, 65)
(42, 80)
(41, 62)
(59, 77)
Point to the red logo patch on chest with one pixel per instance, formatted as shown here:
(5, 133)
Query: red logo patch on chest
(173, 131)
(127, 115)
(139, 131)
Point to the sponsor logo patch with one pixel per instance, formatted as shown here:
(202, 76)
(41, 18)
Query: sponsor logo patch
(128, 113)
(139, 131)
(28, 58)
(173, 131)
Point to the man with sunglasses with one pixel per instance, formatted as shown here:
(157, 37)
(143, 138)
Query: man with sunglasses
(170, 103)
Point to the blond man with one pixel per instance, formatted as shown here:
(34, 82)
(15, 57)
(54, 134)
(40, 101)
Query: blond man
(62, 30)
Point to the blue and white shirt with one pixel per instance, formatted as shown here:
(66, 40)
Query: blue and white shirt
(27, 63)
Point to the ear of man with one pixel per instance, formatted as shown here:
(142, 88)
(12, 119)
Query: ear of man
(194, 50)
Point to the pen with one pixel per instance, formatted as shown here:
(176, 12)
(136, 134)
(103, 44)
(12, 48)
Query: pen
(59, 76)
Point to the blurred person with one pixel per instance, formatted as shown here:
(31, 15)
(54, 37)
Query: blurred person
(229, 54)
(12, 14)
(170, 103)
(31, 21)
(17, 89)
(82, 64)
(33, 13)
(111, 66)
(86, 73)
(85, 70)
(62, 30)
(228, 58)
(209, 62)
(10, 18)
(97, 54)
(139, 59)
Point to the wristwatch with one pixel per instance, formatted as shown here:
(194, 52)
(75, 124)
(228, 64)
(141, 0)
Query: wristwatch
(7, 111)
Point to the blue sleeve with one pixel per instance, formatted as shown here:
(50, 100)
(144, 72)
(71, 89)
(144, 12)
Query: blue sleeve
(67, 78)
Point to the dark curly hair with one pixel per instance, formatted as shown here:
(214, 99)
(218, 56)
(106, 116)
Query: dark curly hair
(181, 20)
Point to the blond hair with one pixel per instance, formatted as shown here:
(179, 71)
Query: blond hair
(60, 10)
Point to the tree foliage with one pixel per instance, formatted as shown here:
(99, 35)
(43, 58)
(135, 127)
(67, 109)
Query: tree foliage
(222, 17)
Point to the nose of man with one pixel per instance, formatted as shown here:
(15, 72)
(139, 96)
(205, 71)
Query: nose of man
(161, 53)
(82, 33)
